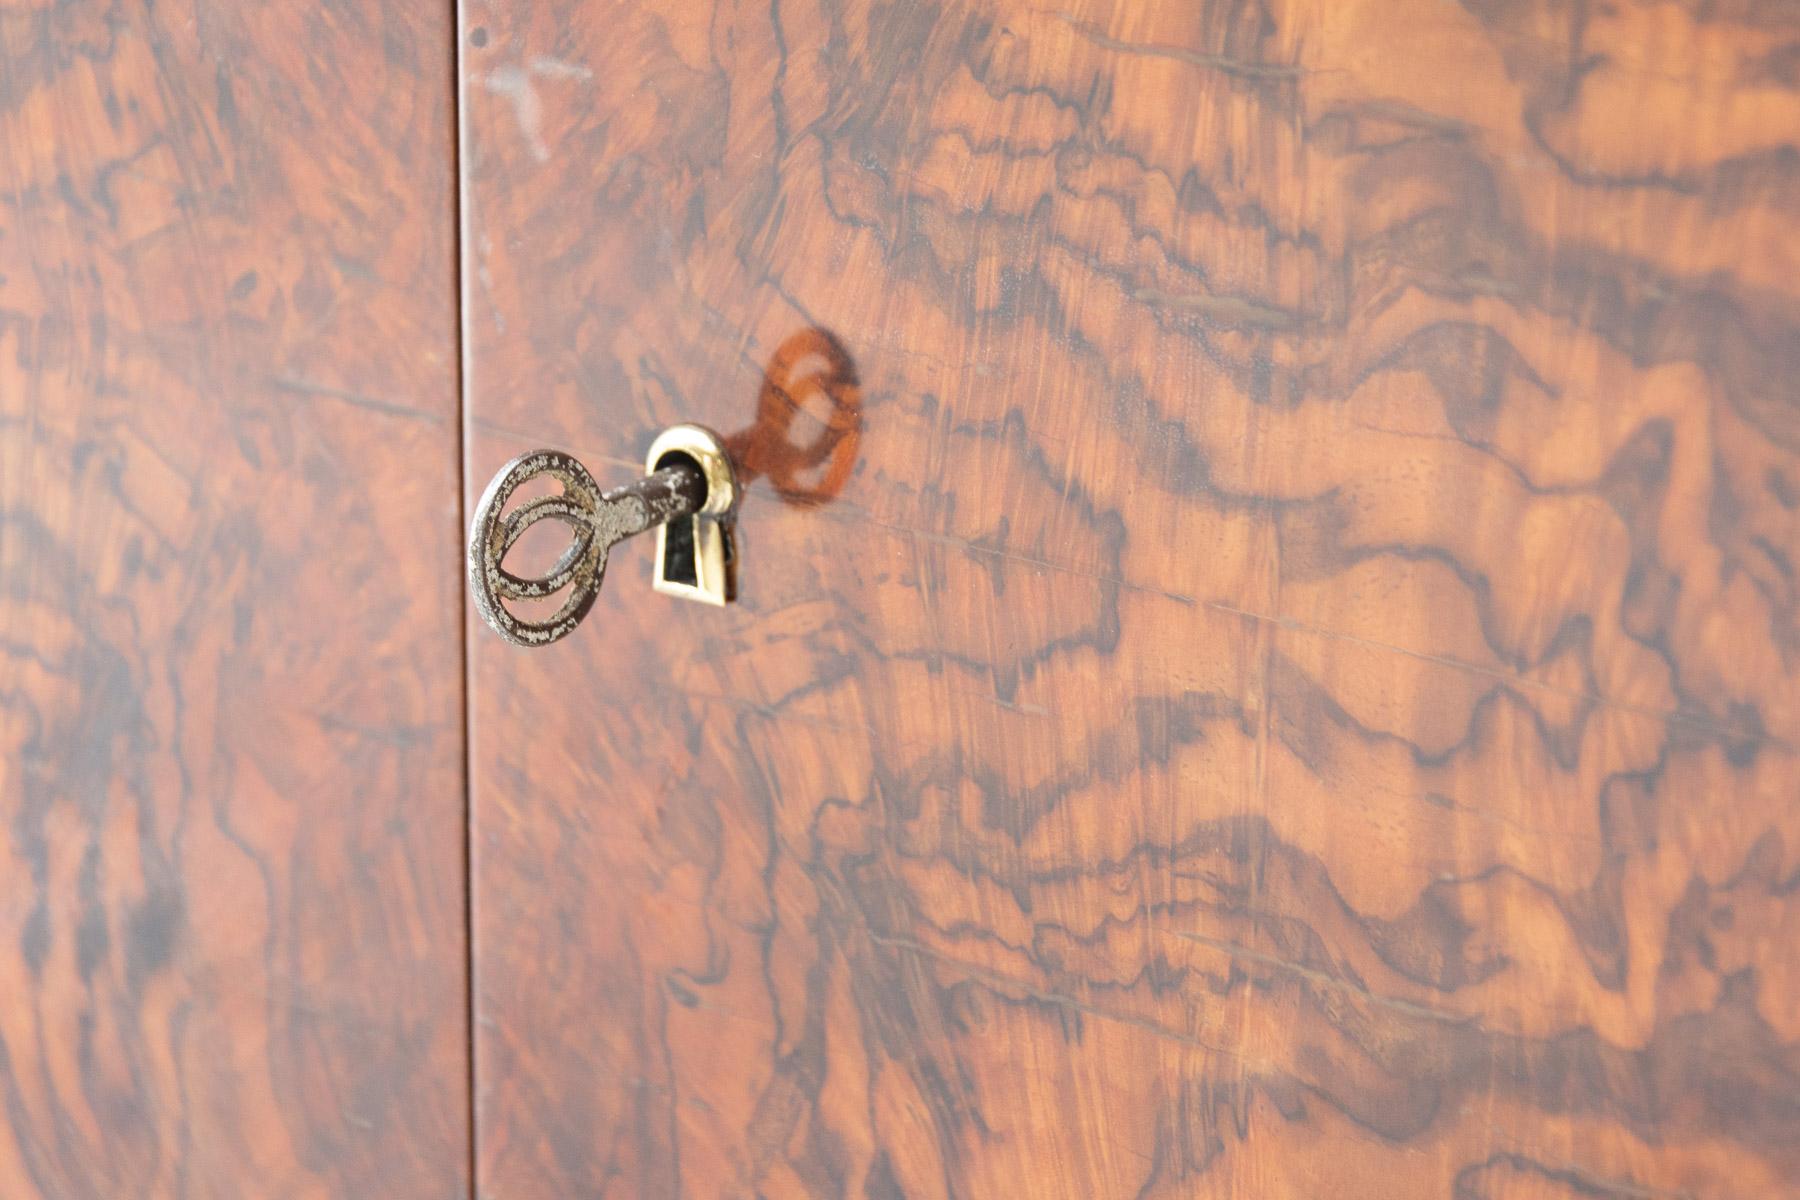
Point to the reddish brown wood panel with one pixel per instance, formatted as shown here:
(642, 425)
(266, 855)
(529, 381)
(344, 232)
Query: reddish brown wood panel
(1296, 694)
(231, 813)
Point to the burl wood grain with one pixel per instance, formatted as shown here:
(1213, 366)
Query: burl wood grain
(231, 947)
(1296, 696)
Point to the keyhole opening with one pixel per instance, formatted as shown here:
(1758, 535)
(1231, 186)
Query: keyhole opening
(679, 564)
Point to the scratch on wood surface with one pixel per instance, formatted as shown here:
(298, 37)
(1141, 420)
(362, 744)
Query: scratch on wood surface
(319, 391)
(1407, 1007)
(1247, 68)
(1225, 310)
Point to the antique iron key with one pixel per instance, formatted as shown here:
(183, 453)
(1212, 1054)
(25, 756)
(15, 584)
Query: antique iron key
(688, 497)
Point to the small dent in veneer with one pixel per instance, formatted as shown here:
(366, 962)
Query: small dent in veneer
(516, 84)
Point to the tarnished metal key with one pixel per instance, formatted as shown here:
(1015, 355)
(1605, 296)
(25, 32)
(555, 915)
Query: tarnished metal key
(688, 497)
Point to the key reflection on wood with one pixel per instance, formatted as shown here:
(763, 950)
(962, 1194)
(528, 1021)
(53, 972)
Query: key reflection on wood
(809, 372)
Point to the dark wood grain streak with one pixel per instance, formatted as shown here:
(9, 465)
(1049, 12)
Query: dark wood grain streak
(231, 947)
(1297, 695)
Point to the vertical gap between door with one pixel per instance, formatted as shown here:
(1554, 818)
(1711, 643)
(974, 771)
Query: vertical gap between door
(459, 284)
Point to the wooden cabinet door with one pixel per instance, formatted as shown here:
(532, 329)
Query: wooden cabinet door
(1266, 654)
(232, 961)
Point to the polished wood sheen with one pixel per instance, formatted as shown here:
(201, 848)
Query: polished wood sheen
(231, 805)
(1294, 693)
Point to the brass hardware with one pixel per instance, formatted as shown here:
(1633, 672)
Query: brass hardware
(689, 498)
(696, 557)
